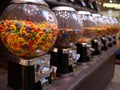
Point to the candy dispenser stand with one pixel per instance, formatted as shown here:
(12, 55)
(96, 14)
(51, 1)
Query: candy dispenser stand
(97, 44)
(59, 59)
(68, 35)
(82, 50)
(28, 29)
(83, 45)
(21, 73)
(20, 77)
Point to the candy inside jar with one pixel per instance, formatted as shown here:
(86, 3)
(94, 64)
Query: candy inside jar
(28, 29)
(26, 39)
(100, 25)
(114, 25)
(67, 38)
(89, 25)
(107, 29)
(70, 29)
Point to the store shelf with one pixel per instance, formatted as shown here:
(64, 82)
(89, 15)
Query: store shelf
(76, 6)
(96, 75)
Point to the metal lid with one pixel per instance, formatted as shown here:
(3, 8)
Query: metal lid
(84, 12)
(84, 44)
(110, 17)
(104, 16)
(96, 15)
(30, 1)
(63, 8)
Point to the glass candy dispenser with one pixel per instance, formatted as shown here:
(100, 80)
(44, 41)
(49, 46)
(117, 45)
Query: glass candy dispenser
(105, 32)
(83, 41)
(114, 29)
(113, 22)
(116, 25)
(70, 32)
(100, 25)
(99, 30)
(89, 24)
(108, 32)
(107, 25)
(96, 43)
(84, 47)
(28, 29)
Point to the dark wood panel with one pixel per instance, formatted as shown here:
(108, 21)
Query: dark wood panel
(3, 5)
(93, 76)
(53, 3)
(3, 51)
(4, 55)
(3, 79)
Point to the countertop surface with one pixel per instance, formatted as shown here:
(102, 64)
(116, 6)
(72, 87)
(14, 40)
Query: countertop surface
(69, 81)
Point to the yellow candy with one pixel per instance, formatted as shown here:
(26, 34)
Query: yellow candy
(14, 27)
(21, 30)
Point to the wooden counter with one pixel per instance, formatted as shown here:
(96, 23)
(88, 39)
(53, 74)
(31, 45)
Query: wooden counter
(93, 76)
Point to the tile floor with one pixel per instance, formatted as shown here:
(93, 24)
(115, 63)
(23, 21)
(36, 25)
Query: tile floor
(115, 82)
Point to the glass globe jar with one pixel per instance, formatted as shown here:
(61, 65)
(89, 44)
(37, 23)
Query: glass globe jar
(89, 25)
(107, 25)
(100, 25)
(114, 25)
(69, 27)
(28, 28)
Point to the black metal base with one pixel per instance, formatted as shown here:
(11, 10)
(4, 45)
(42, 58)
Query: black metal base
(104, 48)
(21, 77)
(114, 42)
(97, 52)
(82, 50)
(61, 61)
(84, 59)
(110, 45)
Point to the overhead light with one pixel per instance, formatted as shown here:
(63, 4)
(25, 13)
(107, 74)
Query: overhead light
(110, 1)
(111, 5)
(99, 3)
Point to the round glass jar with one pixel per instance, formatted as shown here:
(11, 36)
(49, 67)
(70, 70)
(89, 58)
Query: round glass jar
(69, 27)
(28, 28)
(100, 25)
(89, 25)
(114, 25)
(107, 24)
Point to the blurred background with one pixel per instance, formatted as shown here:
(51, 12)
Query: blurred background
(110, 7)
